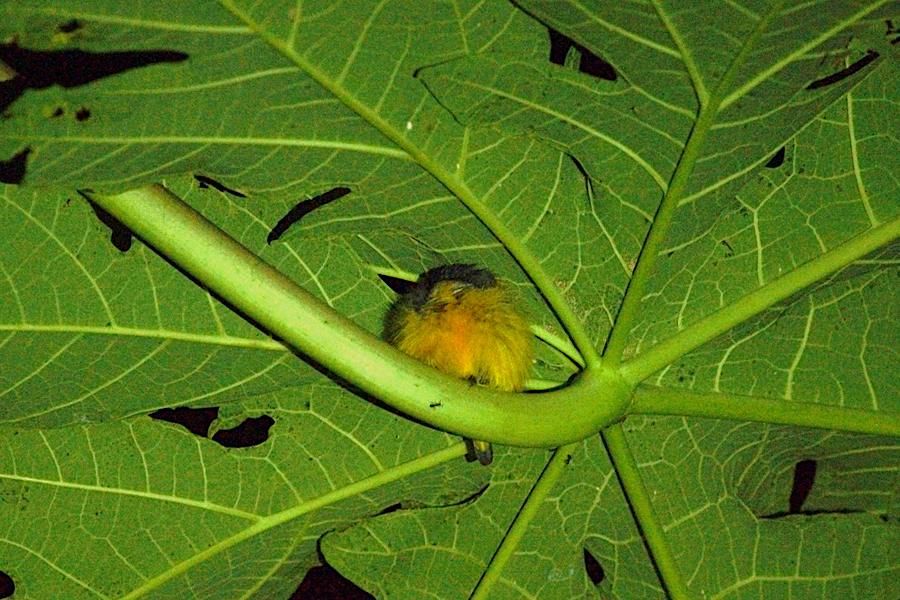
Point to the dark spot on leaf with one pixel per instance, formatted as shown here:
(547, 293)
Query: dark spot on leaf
(588, 182)
(208, 182)
(870, 56)
(252, 432)
(82, 114)
(579, 166)
(729, 251)
(589, 63)
(804, 477)
(303, 208)
(70, 26)
(593, 568)
(777, 160)
(13, 170)
(40, 69)
(120, 235)
(195, 420)
(58, 112)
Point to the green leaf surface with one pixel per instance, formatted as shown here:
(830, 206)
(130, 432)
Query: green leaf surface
(715, 231)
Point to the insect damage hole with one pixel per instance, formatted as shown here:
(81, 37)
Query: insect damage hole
(593, 568)
(857, 66)
(208, 182)
(777, 160)
(7, 585)
(804, 477)
(251, 432)
(195, 420)
(588, 62)
(13, 170)
(303, 208)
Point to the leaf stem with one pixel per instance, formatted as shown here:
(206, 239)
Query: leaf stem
(654, 536)
(295, 316)
(650, 252)
(722, 320)
(661, 401)
(548, 478)
(680, 179)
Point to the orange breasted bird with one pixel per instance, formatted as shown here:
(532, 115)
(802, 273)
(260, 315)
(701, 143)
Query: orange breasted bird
(460, 320)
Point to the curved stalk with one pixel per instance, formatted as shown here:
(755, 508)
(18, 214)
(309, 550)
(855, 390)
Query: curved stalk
(292, 314)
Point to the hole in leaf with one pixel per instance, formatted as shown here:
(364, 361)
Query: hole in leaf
(195, 420)
(209, 182)
(39, 69)
(120, 235)
(844, 73)
(252, 432)
(82, 114)
(588, 62)
(593, 568)
(804, 477)
(303, 208)
(13, 170)
(324, 583)
(777, 160)
(7, 585)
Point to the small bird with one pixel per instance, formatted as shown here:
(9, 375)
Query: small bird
(460, 320)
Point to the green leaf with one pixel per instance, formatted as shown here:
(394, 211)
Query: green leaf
(711, 235)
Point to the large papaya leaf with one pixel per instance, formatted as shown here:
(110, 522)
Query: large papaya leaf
(708, 231)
